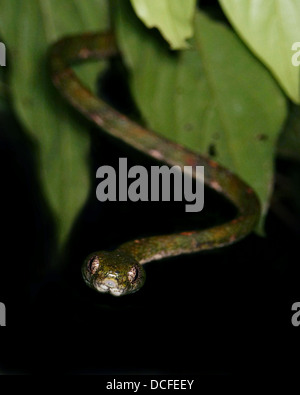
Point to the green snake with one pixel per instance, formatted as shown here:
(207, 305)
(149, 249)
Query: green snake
(121, 271)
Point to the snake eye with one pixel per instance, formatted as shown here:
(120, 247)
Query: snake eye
(133, 274)
(93, 264)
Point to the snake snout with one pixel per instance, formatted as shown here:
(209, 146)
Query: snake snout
(112, 286)
(110, 282)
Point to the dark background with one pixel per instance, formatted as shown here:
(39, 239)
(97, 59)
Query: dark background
(218, 312)
(221, 312)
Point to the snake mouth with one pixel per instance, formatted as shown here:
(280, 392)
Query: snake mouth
(115, 292)
(109, 285)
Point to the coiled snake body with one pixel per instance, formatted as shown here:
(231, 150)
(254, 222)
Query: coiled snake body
(121, 272)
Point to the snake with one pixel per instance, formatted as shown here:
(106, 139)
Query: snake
(121, 271)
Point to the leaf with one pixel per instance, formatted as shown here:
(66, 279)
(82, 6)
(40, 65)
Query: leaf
(62, 141)
(173, 18)
(215, 98)
(270, 28)
(289, 139)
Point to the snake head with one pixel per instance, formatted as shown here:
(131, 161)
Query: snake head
(113, 272)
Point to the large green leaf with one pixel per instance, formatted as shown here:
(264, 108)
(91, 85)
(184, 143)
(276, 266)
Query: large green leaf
(173, 18)
(27, 28)
(289, 140)
(270, 28)
(215, 98)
